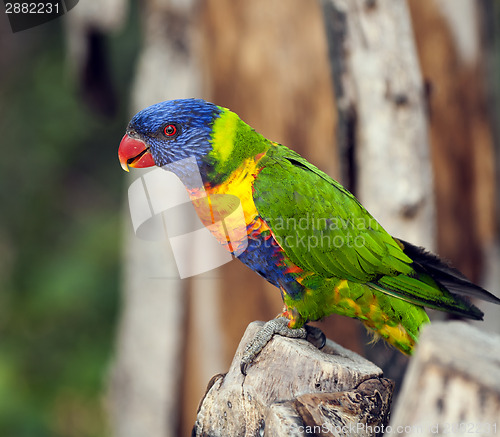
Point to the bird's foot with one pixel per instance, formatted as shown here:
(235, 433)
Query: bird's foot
(278, 326)
(264, 335)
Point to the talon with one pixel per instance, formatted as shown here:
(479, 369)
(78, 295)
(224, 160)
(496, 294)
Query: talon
(316, 336)
(244, 366)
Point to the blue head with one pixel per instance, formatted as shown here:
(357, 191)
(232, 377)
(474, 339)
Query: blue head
(168, 132)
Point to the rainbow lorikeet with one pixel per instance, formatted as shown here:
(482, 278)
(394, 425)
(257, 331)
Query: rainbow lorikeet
(305, 233)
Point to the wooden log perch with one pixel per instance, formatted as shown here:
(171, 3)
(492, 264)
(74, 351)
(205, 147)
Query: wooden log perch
(294, 389)
(452, 385)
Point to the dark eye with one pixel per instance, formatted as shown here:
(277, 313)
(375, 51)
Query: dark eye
(170, 130)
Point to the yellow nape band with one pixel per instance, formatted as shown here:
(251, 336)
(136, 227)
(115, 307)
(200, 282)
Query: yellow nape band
(223, 134)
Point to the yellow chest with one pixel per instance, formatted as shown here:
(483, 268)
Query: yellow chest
(219, 201)
(227, 209)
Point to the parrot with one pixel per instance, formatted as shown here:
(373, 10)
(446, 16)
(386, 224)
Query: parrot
(303, 231)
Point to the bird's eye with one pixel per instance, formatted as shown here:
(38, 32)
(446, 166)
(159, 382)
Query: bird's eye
(170, 130)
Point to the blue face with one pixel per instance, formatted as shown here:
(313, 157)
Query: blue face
(175, 129)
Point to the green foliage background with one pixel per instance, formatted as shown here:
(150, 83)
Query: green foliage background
(60, 227)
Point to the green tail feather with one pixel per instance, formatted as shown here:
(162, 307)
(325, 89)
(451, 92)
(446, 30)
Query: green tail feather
(434, 285)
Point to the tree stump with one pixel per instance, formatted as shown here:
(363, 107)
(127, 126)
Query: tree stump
(294, 389)
(452, 385)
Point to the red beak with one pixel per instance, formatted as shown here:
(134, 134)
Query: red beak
(134, 153)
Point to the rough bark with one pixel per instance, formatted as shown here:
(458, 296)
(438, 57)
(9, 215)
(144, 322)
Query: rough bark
(293, 388)
(452, 385)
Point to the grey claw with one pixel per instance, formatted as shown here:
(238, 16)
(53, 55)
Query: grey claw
(243, 367)
(316, 336)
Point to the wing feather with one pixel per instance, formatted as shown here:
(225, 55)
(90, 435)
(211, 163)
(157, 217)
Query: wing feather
(325, 229)
(328, 232)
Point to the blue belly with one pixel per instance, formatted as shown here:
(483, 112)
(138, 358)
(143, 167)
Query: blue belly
(265, 257)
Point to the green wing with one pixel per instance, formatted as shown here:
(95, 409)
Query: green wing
(324, 229)
(320, 225)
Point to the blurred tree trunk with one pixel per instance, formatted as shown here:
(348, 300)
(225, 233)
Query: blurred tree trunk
(490, 20)
(380, 94)
(380, 98)
(452, 384)
(144, 387)
(452, 45)
(448, 38)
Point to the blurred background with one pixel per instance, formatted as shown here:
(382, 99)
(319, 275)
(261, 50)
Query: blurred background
(98, 337)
